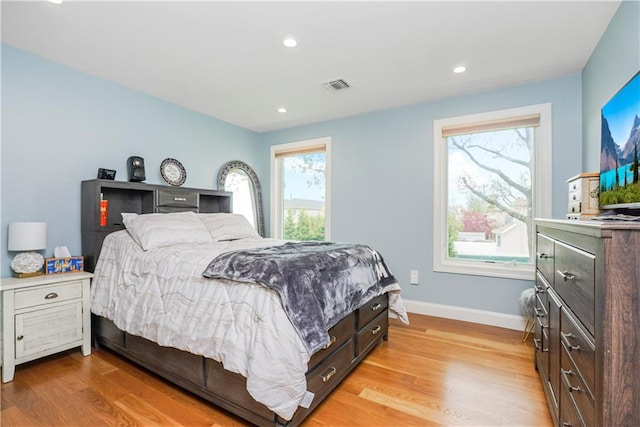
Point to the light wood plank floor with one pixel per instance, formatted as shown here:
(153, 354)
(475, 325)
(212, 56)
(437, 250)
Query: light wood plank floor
(435, 372)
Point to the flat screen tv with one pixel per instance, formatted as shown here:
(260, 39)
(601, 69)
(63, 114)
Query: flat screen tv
(619, 146)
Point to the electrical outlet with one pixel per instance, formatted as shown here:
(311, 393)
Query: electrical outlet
(414, 277)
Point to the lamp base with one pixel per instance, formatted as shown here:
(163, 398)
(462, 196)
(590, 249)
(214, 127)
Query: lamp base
(27, 264)
(25, 275)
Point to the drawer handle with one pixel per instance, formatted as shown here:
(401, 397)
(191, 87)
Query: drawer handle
(19, 337)
(566, 424)
(51, 295)
(567, 276)
(326, 377)
(332, 341)
(565, 340)
(375, 330)
(180, 199)
(542, 255)
(539, 312)
(536, 343)
(565, 377)
(538, 289)
(376, 307)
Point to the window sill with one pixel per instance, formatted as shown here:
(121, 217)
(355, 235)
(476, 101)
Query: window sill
(486, 268)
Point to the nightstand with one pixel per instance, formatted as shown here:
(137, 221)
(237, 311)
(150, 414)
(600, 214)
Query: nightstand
(44, 315)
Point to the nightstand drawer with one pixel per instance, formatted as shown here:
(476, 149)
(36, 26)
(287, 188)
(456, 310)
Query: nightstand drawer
(47, 294)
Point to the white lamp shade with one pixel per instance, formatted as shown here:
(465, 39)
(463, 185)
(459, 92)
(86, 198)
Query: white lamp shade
(27, 236)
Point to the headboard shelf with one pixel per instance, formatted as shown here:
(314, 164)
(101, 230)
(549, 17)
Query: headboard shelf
(140, 198)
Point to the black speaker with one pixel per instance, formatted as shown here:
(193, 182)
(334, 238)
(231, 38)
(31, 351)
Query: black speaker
(135, 169)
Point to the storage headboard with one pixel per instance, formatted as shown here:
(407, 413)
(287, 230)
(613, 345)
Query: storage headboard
(137, 198)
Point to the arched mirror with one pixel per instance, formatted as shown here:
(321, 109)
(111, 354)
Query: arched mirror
(239, 178)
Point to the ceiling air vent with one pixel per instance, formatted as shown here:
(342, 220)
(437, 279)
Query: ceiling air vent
(336, 85)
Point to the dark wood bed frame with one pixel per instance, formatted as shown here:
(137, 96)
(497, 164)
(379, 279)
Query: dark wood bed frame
(352, 338)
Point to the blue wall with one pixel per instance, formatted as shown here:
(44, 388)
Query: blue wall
(614, 61)
(60, 125)
(382, 191)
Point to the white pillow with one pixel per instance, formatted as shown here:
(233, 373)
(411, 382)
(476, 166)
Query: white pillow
(228, 226)
(152, 231)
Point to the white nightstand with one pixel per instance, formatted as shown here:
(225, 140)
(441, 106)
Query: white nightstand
(44, 315)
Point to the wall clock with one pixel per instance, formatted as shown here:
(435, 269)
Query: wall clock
(173, 172)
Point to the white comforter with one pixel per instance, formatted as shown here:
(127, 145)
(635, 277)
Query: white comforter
(161, 295)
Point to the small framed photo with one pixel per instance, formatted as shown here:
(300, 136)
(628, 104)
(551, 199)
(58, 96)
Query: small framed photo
(72, 264)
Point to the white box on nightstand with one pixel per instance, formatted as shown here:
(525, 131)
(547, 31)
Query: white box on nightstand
(44, 315)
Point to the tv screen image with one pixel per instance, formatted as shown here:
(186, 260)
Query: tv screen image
(619, 145)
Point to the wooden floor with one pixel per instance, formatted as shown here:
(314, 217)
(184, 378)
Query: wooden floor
(435, 372)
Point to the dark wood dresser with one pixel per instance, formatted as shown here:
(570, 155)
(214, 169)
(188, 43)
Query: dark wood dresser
(587, 333)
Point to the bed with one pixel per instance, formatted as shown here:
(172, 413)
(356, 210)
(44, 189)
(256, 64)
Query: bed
(231, 341)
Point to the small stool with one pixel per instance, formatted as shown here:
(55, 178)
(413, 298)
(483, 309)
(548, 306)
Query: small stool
(527, 308)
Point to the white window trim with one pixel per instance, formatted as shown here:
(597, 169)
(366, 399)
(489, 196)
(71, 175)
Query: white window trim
(541, 192)
(276, 185)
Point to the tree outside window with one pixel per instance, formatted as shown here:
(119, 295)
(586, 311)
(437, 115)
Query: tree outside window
(491, 178)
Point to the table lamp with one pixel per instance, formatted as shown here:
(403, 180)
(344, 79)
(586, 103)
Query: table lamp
(27, 237)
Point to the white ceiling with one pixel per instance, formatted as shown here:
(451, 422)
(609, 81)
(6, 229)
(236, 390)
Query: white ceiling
(226, 59)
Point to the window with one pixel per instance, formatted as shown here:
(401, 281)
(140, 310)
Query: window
(492, 176)
(300, 184)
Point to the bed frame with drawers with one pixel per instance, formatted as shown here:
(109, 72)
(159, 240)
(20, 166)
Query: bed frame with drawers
(587, 333)
(351, 339)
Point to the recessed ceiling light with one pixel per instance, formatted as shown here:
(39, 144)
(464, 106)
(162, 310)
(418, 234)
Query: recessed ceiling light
(55, 1)
(282, 110)
(290, 42)
(460, 69)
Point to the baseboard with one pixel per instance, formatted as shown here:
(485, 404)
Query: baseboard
(501, 320)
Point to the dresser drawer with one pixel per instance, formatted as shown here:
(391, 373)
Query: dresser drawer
(371, 309)
(178, 200)
(374, 329)
(540, 288)
(545, 257)
(338, 335)
(542, 351)
(579, 348)
(47, 295)
(541, 313)
(575, 282)
(331, 371)
(569, 416)
(575, 390)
